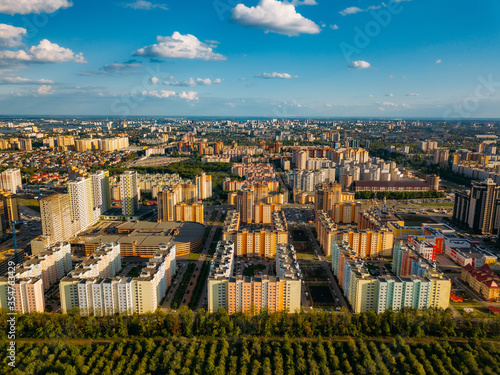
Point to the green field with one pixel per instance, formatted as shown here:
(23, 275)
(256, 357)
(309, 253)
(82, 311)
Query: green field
(30, 203)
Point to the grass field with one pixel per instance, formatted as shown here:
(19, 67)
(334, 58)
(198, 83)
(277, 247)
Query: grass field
(30, 203)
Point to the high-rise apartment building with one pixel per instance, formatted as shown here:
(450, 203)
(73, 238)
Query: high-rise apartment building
(238, 294)
(10, 180)
(179, 203)
(204, 185)
(429, 289)
(57, 221)
(105, 295)
(81, 194)
(50, 265)
(27, 292)
(101, 191)
(479, 209)
(129, 190)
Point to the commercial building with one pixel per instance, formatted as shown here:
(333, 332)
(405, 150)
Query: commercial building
(478, 208)
(242, 294)
(431, 183)
(107, 295)
(143, 238)
(10, 180)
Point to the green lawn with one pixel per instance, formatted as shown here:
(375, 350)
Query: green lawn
(193, 256)
(30, 203)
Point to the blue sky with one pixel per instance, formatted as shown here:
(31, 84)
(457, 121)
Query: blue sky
(269, 58)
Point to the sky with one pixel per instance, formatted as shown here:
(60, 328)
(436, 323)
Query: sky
(265, 58)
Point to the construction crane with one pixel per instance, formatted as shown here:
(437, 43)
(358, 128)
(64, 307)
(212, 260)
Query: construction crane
(14, 238)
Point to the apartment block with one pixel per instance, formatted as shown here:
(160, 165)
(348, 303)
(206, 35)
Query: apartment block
(365, 292)
(50, 265)
(253, 294)
(27, 292)
(256, 241)
(101, 295)
(10, 180)
(129, 190)
(58, 223)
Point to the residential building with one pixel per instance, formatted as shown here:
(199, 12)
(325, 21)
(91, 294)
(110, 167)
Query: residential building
(10, 180)
(253, 294)
(129, 190)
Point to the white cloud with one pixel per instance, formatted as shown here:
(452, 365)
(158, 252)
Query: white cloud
(14, 80)
(359, 64)
(354, 10)
(389, 104)
(351, 10)
(154, 80)
(334, 27)
(390, 95)
(180, 46)
(159, 93)
(191, 82)
(412, 94)
(145, 5)
(32, 6)
(44, 90)
(45, 52)
(189, 95)
(274, 16)
(163, 94)
(439, 61)
(11, 36)
(276, 75)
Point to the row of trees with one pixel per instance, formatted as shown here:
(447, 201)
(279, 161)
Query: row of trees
(256, 356)
(200, 323)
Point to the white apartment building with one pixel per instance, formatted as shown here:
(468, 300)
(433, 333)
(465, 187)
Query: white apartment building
(10, 180)
(101, 295)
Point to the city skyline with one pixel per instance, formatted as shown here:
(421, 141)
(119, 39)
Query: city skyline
(264, 58)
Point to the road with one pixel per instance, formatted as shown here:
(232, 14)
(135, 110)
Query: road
(199, 265)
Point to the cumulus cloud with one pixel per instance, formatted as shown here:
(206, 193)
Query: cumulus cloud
(274, 16)
(180, 46)
(334, 27)
(32, 6)
(276, 75)
(439, 61)
(359, 64)
(44, 90)
(14, 80)
(412, 94)
(11, 36)
(188, 95)
(163, 94)
(154, 80)
(159, 93)
(145, 5)
(192, 82)
(390, 95)
(44, 52)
